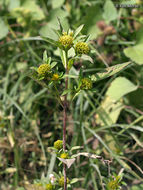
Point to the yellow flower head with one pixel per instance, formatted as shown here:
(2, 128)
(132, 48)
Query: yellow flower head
(86, 84)
(55, 76)
(66, 41)
(43, 69)
(58, 144)
(61, 181)
(82, 48)
(64, 155)
(49, 186)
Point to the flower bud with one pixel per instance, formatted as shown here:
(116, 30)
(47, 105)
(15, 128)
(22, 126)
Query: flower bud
(58, 144)
(86, 84)
(66, 41)
(43, 69)
(82, 48)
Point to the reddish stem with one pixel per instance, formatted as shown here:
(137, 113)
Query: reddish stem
(65, 122)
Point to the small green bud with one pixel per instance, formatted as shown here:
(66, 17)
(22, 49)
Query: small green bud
(61, 181)
(43, 69)
(82, 48)
(86, 84)
(49, 186)
(66, 41)
(64, 155)
(58, 144)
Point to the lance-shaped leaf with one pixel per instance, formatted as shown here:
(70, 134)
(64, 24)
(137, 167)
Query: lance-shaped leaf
(78, 30)
(109, 71)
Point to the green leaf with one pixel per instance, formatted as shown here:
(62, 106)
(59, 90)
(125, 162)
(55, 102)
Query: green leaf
(109, 71)
(60, 14)
(45, 56)
(78, 30)
(74, 180)
(120, 87)
(86, 58)
(65, 92)
(3, 29)
(57, 4)
(94, 14)
(53, 64)
(135, 53)
(13, 4)
(110, 12)
(53, 42)
(37, 12)
(47, 32)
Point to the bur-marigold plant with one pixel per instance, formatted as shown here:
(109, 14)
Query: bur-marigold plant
(48, 75)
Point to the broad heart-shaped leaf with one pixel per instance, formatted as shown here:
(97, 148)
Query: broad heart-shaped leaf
(109, 72)
(120, 87)
(110, 12)
(135, 53)
(3, 29)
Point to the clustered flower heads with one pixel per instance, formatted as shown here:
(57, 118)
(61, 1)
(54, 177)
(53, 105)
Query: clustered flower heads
(58, 144)
(67, 41)
(43, 70)
(86, 84)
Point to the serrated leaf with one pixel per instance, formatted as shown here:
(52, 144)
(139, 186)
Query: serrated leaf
(109, 72)
(135, 53)
(78, 30)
